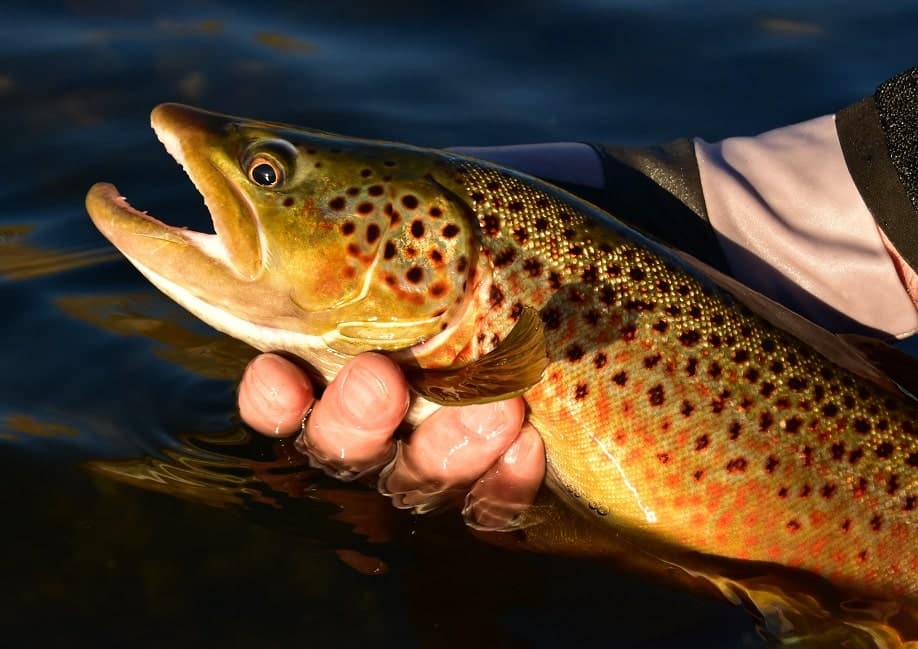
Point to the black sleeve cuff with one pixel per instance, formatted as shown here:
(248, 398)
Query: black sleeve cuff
(657, 190)
(879, 139)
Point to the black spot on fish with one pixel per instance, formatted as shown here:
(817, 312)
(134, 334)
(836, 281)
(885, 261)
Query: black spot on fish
(574, 353)
(505, 257)
(702, 442)
(365, 208)
(892, 485)
(449, 230)
(734, 430)
(687, 408)
(737, 465)
(491, 225)
(600, 360)
(838, 451)
(375, 190)
(289, 201)
(532, 266)
(581, 391)
(771, 464)
(414, 274)
(620, 378)
(689, 338)
(656, 395)
(796, 383)
(347, 228)
(496, 296)
(607, 295)
(551, 318)
(410, 201)
(765, 421)
(372, 233)
(714, 369)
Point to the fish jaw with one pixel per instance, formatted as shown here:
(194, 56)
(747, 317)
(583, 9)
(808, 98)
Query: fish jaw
(315, 263)
(218, 277)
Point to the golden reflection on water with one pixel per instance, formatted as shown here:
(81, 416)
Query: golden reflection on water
(21, 261)
(33, 427)
(204, 354)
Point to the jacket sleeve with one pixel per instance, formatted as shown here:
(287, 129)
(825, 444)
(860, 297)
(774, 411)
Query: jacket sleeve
(796, 213)
(879, 138)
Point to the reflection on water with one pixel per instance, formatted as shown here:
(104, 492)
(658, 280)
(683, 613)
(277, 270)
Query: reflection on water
(21, 261)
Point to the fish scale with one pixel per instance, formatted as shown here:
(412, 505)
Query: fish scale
(670, 409)
(675, 405)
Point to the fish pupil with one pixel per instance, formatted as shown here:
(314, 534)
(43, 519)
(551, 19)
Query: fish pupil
(264, 175)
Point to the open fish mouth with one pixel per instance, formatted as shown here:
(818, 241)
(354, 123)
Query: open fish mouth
(217, 276)
(236, 244)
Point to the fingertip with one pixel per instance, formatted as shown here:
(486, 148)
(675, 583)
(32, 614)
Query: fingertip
(370, 392)
(351, 427)
(274, 395)
(509, 487)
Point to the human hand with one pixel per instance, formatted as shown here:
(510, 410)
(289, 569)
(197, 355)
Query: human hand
(483, 454)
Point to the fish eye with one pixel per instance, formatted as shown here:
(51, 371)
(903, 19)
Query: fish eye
(265, 172)
(267, 161)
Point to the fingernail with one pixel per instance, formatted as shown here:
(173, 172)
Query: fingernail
(268, 401)
(361, 392)
(486, 419)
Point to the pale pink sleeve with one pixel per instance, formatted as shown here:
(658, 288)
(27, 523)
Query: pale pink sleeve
(793, 226)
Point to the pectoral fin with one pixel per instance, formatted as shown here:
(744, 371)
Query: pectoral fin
(508, 370)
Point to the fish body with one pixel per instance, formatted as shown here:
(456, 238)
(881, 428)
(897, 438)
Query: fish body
(675, 406)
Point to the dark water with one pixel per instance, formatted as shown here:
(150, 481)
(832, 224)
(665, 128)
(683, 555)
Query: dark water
(137, 509)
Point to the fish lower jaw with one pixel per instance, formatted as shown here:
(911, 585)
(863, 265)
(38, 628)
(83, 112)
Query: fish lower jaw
(313, 349)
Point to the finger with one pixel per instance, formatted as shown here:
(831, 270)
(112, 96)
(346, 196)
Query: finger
(449, 451)
(274, 395)
(509, 487)
(350, 429)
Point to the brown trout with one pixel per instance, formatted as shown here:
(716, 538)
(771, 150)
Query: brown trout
(675, 405)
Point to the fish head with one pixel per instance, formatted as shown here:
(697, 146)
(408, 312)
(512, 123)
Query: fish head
(319, 240)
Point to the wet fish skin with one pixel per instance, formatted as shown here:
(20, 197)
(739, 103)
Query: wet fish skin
(670, 408)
